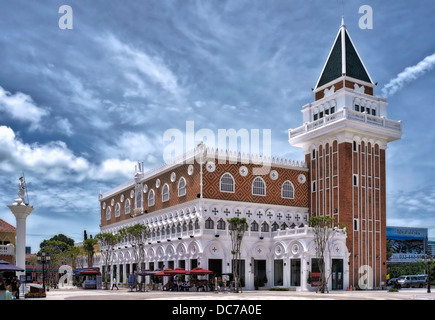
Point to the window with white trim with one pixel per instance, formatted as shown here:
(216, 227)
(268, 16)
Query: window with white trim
(264, 227)
(226, 183)
(258, 187)
(117, 210)
(287, 190)
(355, 180)
(209, 223)
(165, 193)
(355, 224)
(127, 206)
(182, 187)
(108, 213)
(151, 198)
(221, 224)
(139, 199)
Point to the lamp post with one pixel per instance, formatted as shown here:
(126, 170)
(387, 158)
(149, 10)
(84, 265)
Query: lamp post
(43, 258)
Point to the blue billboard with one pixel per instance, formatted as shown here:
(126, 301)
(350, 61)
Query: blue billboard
(406, 244)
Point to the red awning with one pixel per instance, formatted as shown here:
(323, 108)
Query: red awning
(198, 271)
(177, 271)
(164, 272)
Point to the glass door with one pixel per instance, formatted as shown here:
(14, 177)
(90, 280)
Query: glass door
(337, 274)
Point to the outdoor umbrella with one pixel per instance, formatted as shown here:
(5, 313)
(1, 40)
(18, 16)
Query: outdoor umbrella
(199, 270)
(164, 272)
(177, 271)
(6, 266)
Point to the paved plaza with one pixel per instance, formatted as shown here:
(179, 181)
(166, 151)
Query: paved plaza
(127, 294)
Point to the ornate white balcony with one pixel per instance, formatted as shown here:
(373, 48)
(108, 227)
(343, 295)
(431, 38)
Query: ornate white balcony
(8, 249)
(345, 117)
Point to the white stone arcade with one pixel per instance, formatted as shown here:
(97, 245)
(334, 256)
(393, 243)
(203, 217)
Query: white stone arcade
(281, 247)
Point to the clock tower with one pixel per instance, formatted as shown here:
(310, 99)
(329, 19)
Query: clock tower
(344, 137)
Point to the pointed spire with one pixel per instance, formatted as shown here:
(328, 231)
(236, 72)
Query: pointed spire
(343, 60)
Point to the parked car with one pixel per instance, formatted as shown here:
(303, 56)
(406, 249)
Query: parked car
(422, 280)
(411, 281)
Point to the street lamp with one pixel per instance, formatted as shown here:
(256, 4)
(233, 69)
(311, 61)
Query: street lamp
(43, 258)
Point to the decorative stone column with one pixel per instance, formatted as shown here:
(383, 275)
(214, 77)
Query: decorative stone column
(21, 211)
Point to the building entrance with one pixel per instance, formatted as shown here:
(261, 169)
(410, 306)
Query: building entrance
(260, 278)
(215, 265)
(295, 275)
(337, 274)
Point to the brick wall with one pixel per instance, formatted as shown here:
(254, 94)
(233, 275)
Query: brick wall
(243, 185)
(362, 205)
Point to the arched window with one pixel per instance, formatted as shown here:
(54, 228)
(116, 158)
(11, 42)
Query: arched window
(151, 199)
(275, 226)
(221, 224)
(165, 193)
(264, 227)
(287, 190)
(226, 183)
(258, 187)
(182, 187)
(254, 226)
(284, 226)
(209, 224)
(117, 210)
(108, 213)
(127, 206)
(139, 199)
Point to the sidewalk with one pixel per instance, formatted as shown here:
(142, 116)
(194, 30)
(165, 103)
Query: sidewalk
(126, 294)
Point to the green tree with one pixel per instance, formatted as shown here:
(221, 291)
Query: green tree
(237, 228)
(71, 254)
(88, 246)
(107, 243)
(136, 236)
(324, 230)
(60, 238)
(55, 249)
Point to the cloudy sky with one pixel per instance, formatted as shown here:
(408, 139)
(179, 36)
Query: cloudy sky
(79, 107)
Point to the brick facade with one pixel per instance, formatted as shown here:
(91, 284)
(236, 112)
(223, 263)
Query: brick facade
(211, 189)
(350, 186)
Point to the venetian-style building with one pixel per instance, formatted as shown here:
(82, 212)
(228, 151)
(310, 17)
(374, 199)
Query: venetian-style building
(186, 204)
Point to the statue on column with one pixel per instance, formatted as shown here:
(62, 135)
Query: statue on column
(21, 191)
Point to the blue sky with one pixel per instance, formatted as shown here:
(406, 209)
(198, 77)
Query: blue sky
(79, 107)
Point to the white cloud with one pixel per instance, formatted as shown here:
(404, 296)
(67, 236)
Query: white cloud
(54, 161)
(408, 75)
(21, 107)
(133, 146)
(64, 126)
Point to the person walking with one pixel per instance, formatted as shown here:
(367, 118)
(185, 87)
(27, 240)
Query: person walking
(16, 287)
(114, 284)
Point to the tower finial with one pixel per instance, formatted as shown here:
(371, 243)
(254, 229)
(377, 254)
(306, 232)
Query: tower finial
(342, 13)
